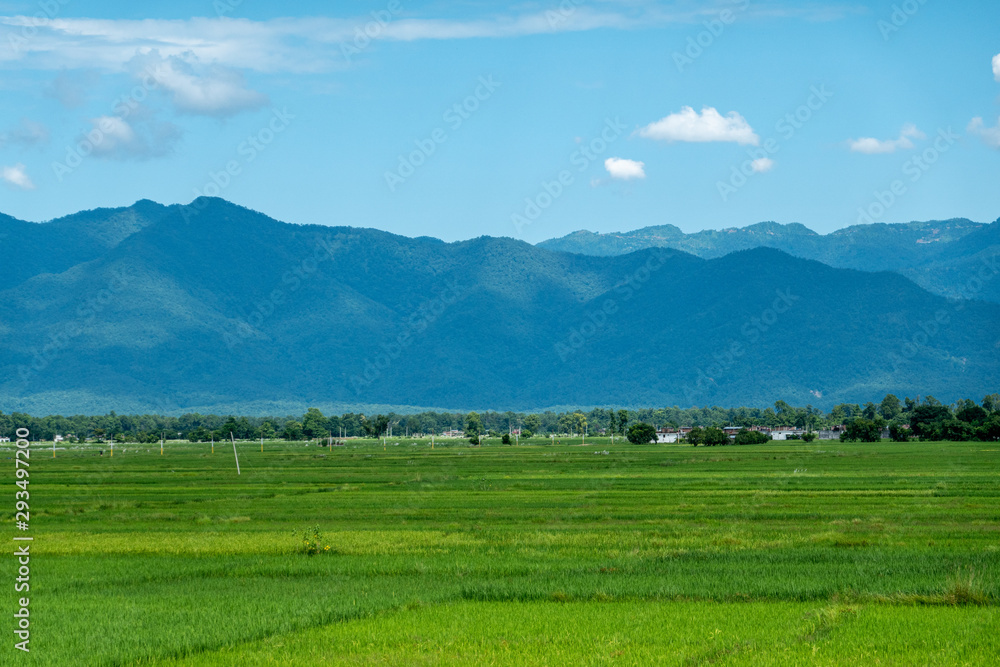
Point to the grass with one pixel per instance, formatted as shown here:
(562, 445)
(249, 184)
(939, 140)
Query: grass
(638, 633)
(782, 553)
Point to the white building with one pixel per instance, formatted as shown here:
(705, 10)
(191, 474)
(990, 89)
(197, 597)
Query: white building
(782, 432)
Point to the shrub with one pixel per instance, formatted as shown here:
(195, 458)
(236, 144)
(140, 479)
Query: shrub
(312, 543)
(715, 436)
(641, 434)
(745, 437)
(809, 437)
(990, 431)
(963, 589)
(505, 439)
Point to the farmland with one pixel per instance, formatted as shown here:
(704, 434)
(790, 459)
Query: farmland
(783, 553)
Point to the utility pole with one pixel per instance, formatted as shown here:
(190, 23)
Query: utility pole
(235, 455)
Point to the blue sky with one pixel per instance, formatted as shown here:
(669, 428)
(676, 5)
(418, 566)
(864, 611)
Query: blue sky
(603, 115)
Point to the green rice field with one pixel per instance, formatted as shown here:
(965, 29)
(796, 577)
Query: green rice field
(823, 553)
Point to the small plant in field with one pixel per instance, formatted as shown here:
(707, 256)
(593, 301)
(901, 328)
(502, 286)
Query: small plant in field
(312, 543)
(821, 622)
(963, 589)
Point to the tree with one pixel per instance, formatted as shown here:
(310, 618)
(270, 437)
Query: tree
(413, 425)
(956, 430)
(973, 414)
(869, 411)
(925, 421)
(990, 431)
(618, 421)
(890, 407)
(810, 417)
(230, 427)
(505, 438)
(314, 424)
(352, 424)
(243, 428)
(293, 430)
(715, 436)
(533, 424)
(573, 423)
(784, 412)
(898, 431)
(641, 434)
(622, 421)
(838, 415)
(962, 404)
(473, 426)
(991, 402)
(267, 430)
(377, 426)
(862, 429)
(696, 436)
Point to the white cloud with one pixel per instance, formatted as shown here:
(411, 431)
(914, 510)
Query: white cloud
(623, 169)
(115, 131)
(581, 19)
(996, 67)
(314, 44)
(989, 135)
(17, 176)
(760, 165)
(871, 146)
(709, 125)
(144, 137)
(194, 88)
(283, 44)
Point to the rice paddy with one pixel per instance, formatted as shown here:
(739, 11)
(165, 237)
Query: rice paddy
(784, 553)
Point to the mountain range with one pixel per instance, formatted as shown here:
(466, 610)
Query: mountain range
(945, 256)
(214, 307)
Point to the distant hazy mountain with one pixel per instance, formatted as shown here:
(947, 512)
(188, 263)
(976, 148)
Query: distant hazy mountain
(231, 308)
(944, 257)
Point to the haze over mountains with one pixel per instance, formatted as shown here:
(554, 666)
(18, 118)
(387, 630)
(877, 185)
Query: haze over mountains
(219, 308)
(943, 256)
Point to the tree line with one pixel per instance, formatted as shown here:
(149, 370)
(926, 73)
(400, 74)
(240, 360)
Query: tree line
(927, 419)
